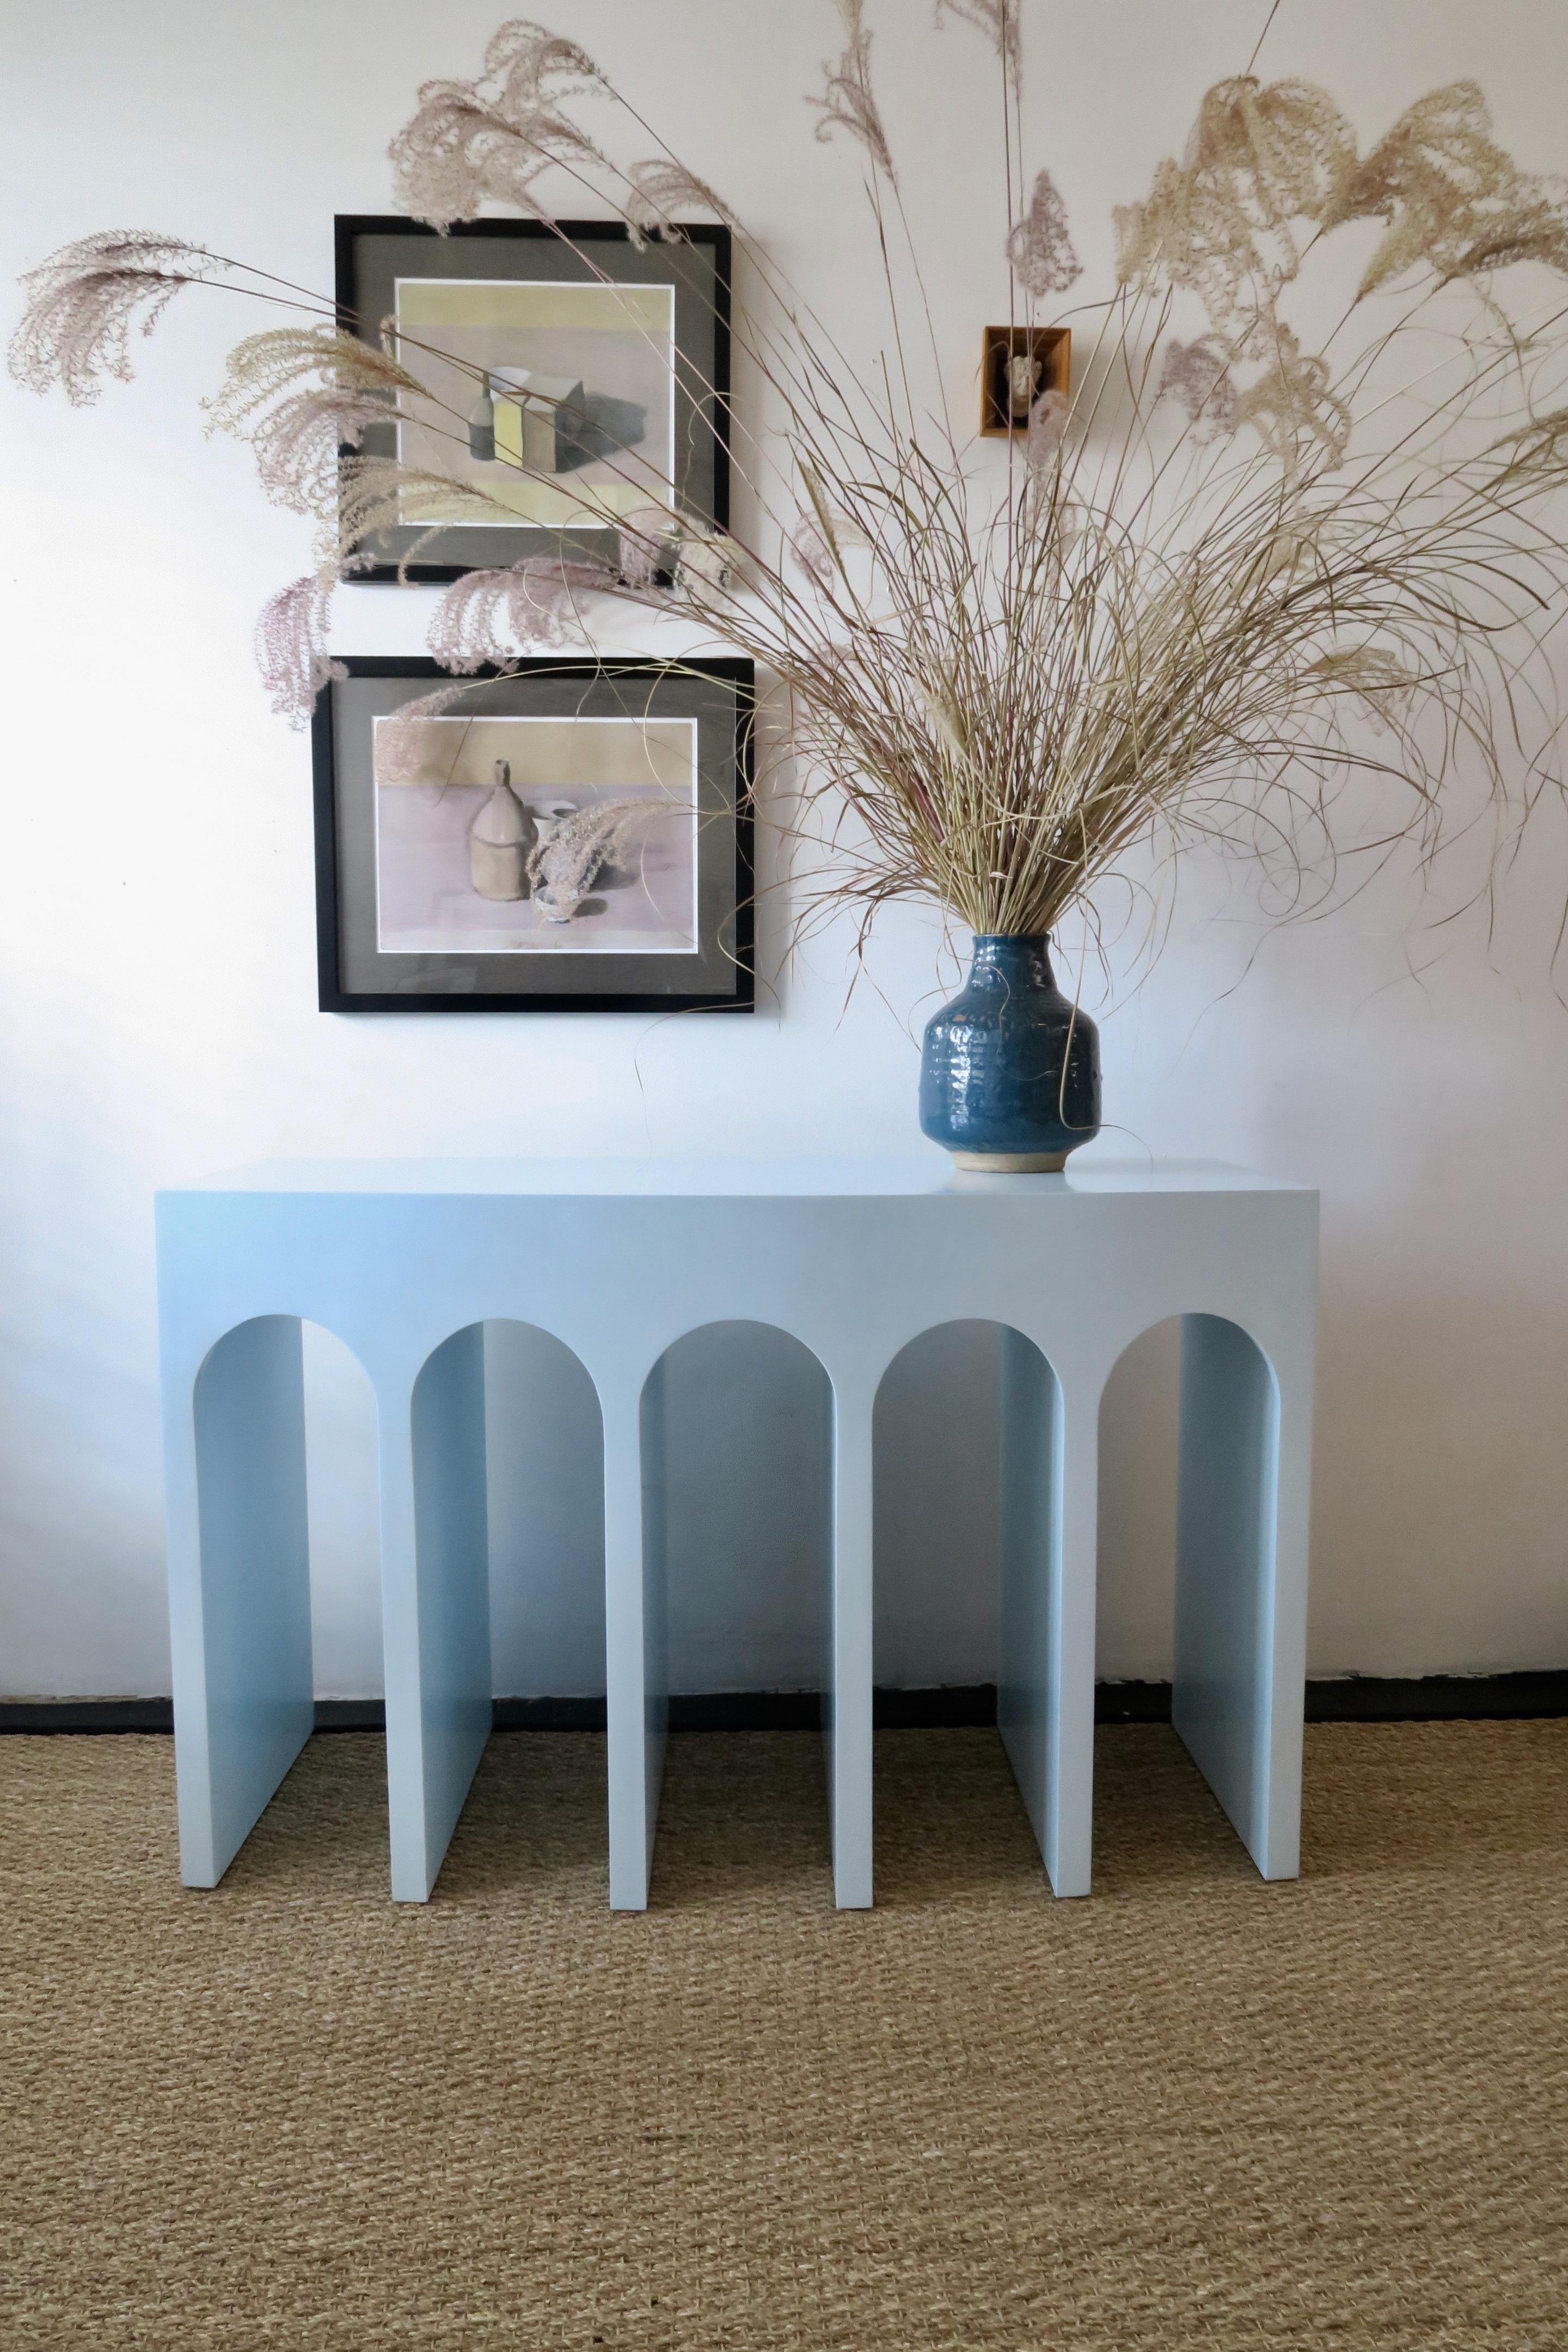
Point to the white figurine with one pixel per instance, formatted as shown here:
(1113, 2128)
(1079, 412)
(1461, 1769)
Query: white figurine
(1023, 373)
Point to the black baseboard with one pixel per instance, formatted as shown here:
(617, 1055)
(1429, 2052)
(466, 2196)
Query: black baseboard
(1437, 1698)
(37, 1715)
(1372, 1698)
(1350, 1698)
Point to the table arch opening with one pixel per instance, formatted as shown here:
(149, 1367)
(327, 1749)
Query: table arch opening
(284, 1421)
(330, 1447)
(508, 1434)
(1188, 1423)
(937, 1435)
(340, 1478)
(737, 1444)
(545, 1502)
(1135, 1586)
(967, 1436)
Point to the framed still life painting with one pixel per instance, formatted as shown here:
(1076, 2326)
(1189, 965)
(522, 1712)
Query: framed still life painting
(574, 377)
(565, 836)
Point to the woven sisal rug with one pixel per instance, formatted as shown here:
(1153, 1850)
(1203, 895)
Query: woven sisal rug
(1194, 2110)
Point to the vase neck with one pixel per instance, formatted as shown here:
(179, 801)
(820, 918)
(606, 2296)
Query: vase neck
(1016, 954)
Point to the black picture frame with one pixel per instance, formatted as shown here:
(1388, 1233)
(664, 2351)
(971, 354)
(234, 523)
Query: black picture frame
(719, 976)
(696, 265)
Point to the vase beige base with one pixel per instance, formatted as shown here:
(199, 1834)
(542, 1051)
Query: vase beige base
(1011, 1163)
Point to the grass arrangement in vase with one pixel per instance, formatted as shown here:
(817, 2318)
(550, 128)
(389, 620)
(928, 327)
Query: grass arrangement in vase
(1277, 574)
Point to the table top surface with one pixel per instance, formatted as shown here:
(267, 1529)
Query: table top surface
(910, 1175)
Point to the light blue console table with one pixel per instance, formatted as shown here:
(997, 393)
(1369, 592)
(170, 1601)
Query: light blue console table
(405, 1261)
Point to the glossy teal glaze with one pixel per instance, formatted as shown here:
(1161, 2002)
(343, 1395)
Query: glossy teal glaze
(1011, 1067)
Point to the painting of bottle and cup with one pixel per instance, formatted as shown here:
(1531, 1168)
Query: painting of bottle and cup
(536, 835)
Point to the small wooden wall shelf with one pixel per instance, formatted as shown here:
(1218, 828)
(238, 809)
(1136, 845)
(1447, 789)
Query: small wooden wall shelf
(1051, 350)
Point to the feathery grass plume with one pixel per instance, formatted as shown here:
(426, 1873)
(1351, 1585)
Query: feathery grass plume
(847, 102)
(296, 445)
(377, 494)
(1198, 375)
(82, 302)
(472, 624)
(1451, 197)
(1044, 511)
(1274, 152)
(291, 649)
(485, 616)
(401, 744)
(1539, 440)
(1383, 687)
(1142, 632)
(1049, 418)
(1293, 403)
(1220, 223)
(303, 398)
(998, 20)
(298, 396)
(492, 137)
(267, 367)
(1040, 246)
(812, 550)
(660, 185)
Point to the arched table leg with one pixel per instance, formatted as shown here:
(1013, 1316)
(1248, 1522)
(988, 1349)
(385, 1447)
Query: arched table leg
(1045, 1693)
(1241, 1573)
(435, 1607)
(847, 1689)
(239, 1588)
(636, 1670)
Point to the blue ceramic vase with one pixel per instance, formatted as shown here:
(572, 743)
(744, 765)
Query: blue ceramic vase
(1010, 1069)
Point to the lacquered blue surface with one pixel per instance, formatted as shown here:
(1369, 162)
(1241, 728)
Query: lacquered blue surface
(1011, 1065)
(618, 1261)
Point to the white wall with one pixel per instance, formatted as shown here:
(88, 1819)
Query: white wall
(156, 911)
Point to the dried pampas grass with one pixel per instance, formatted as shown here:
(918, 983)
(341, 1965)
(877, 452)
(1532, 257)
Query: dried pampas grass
(486, 617)
(291, 649)
(469, 143)
(1040, 245)
(1450, 196)
(846, 103)
(1240, 571)
(84, 300)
